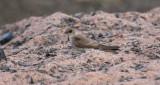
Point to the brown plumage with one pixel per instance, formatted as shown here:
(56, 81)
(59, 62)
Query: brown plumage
(79, 40)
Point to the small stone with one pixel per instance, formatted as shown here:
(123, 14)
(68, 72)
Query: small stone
(6, 38)
(109, 34)
(157, 78)
(31, 80)
(117, 15)
(5, 68)
(2, 54)
(17, 43)
(138, 67)
(100, 35)
(158, 38)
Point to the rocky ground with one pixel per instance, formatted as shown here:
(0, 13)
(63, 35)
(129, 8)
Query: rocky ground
(40, 53)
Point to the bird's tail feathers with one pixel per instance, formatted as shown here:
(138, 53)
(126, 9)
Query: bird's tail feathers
(108, 48)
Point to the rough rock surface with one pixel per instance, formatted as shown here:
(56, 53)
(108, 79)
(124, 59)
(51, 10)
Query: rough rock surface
(40, 53)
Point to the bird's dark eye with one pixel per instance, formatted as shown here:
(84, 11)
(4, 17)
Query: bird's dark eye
(70, 31)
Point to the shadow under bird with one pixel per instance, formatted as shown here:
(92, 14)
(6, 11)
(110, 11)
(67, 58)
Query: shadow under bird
(79, 40)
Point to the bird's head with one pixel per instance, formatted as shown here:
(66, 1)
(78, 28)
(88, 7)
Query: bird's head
(70, 31)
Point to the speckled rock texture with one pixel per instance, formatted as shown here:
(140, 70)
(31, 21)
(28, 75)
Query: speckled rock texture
(40, 53)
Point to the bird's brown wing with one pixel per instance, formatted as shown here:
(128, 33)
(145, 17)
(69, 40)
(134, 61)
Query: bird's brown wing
(84, 42)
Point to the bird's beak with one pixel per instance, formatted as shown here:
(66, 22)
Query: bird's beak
(65, 31)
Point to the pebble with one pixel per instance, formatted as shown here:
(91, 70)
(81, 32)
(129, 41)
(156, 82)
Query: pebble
(2, 54)
(6, 38)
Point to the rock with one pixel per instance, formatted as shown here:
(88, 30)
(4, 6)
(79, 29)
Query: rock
(2, 54)
(6, 38)
(41, 51)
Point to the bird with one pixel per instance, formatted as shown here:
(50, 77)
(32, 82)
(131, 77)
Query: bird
(79, 40)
